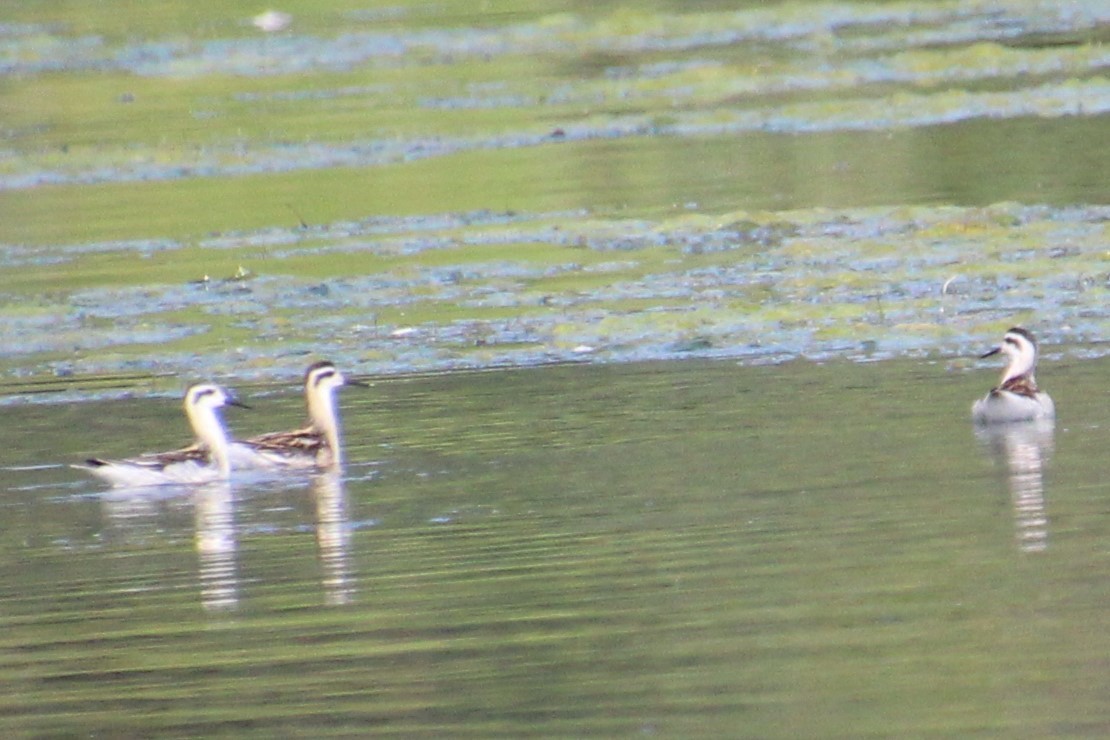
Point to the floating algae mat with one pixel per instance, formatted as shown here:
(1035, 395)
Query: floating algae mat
(428, 188)
(485, 289)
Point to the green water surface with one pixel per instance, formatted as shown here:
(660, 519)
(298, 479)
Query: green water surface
(682, 549)
(733, 262)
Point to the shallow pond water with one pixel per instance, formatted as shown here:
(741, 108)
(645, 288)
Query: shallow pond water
(734, 542)
(684, 548)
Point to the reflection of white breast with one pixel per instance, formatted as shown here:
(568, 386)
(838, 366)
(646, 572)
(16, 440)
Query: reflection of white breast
(1003, 406)
(333, 536)
(1024, 449)
(217, 545)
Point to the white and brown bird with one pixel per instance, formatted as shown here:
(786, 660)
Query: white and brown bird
(316, 445)
(1016, 397)
(203, 461)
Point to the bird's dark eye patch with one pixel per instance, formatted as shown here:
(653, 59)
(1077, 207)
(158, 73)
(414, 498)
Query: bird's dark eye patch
(316, 371)
(201, 394)
(329, 373)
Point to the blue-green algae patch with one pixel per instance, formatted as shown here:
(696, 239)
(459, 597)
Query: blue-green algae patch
(453, 291)
(422, 187)
(82, 104)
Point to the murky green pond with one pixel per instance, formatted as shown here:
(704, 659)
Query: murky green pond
(679, 549)
(419, 187)
(710, 278)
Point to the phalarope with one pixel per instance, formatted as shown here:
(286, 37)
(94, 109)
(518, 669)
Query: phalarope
(1017, 397)
(205, 460)
(316, 445)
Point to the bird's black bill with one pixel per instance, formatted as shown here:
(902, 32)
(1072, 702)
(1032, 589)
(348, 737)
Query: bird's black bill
(356, 381)
(994, 351)
(237, 402)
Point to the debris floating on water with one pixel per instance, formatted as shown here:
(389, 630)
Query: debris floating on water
(272, 21)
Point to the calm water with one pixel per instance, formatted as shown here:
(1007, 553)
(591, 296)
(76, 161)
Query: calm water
(669, 549)
(694, 548)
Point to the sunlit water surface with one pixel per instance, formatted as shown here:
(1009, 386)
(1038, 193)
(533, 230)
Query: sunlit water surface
(672, 549)
(680, 549)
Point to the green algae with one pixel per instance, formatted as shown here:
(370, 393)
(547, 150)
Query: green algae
(157, 108)
(812, 282)
(408, 189)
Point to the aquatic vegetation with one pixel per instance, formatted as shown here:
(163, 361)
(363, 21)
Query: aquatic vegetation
(412, 189)
(243, 104)
(511, 289)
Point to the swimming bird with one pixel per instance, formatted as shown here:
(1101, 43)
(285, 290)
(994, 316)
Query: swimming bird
(1017, 397)
(316, 445)
(205, 460)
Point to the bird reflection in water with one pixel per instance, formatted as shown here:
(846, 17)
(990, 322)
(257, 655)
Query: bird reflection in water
(144, 515)
(1023, 449)
(333, 536)
(217, 546)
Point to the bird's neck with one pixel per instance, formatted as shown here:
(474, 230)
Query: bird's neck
(1021, 367)
(211, 434)
(322, 416)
